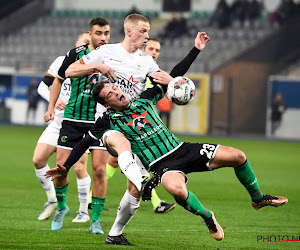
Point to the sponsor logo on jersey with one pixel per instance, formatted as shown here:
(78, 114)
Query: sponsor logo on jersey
(116, 115)
(116, 60)
(139, 121)
(127, 86)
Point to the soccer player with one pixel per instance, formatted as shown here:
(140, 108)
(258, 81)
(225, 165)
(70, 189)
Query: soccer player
(47, 143)
(79, 116)
(163, 153)
(127, 66)
(152, 48)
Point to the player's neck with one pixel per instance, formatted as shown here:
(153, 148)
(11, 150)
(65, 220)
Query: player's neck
(91, 47)
(128, 46)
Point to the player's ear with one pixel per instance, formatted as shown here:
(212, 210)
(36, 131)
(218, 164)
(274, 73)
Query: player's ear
(106, 106)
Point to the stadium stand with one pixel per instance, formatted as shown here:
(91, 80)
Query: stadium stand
(40, 41)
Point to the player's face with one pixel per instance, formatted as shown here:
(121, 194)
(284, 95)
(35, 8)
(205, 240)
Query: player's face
(83, 39)
(140, 34)
(114, 97)
(99, 35)
(153, 49)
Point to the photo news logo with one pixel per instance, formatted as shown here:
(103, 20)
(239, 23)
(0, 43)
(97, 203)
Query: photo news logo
(276, 238)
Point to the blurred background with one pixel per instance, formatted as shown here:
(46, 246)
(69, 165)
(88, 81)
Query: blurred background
(247, 78)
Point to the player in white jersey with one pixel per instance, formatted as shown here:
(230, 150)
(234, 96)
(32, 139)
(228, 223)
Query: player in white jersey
(47, 144)
(127, 67)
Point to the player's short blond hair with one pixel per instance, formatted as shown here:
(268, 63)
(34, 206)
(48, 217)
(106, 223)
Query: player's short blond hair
(82, 33)
(133, 19)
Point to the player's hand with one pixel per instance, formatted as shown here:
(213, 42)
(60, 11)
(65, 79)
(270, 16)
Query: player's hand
(60, 104)
(107, 71)
(49, 115)
(201, 40)
(162, 77)
(56, 172)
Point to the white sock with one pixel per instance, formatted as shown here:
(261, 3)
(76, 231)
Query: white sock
(47, 184)
(130, 168)
(83, 186)
(127, 208)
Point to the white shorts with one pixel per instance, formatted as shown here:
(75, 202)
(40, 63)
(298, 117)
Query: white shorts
(50, 135)
(105, 140)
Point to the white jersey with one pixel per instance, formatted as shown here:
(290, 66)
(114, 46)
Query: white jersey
(131, 70)
(65, 88)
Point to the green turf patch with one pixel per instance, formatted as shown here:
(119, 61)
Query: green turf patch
(276, 164)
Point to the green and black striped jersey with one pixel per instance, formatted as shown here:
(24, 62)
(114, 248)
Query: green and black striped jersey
(140, 123)
(81, 105)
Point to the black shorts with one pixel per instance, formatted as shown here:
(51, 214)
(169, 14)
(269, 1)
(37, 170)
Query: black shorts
(72, 132)
(188, 158)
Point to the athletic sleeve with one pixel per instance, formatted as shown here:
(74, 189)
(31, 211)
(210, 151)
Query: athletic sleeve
(78, 151)
(94, 56)
(100, 127)
(154, 94)
(181, 68)
(69, 59)
(44, 91)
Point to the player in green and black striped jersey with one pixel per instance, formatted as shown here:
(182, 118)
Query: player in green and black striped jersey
(164, 153)
(79, 117)
(81, 106)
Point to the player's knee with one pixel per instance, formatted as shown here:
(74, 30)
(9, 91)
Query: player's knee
(179, 192)
(240, 157)
(79, 169)
(99, 171)
(38, 163)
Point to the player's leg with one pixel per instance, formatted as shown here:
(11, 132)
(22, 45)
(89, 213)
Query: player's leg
(61, 188)
(118, 145)
(111, 167)
(174, 183)
(231, 157)
(126, 210)
(99, 158)
(41, 155)
(83, 186)
(160, 206)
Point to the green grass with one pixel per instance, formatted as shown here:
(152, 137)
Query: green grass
(275, 163)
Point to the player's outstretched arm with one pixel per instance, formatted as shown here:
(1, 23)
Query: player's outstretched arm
(54, 93)
(56, 172)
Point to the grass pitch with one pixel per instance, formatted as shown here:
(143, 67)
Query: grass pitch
(276, 164)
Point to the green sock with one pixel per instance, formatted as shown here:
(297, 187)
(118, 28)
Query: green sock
(193, 205)
(248, 179)
(97, 207)
(61, 195)
(110, 171)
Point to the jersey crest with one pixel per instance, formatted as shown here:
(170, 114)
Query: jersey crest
(139, 121)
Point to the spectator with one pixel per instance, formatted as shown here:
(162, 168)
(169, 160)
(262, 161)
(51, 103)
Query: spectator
(284, 12)
(278, 108)
(174, 29)
(221, 16)
(33, 98)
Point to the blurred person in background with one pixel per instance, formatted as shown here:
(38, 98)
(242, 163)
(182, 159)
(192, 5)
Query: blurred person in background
(33, 98)
(278, 108)
(47, 143)
(79, 117)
